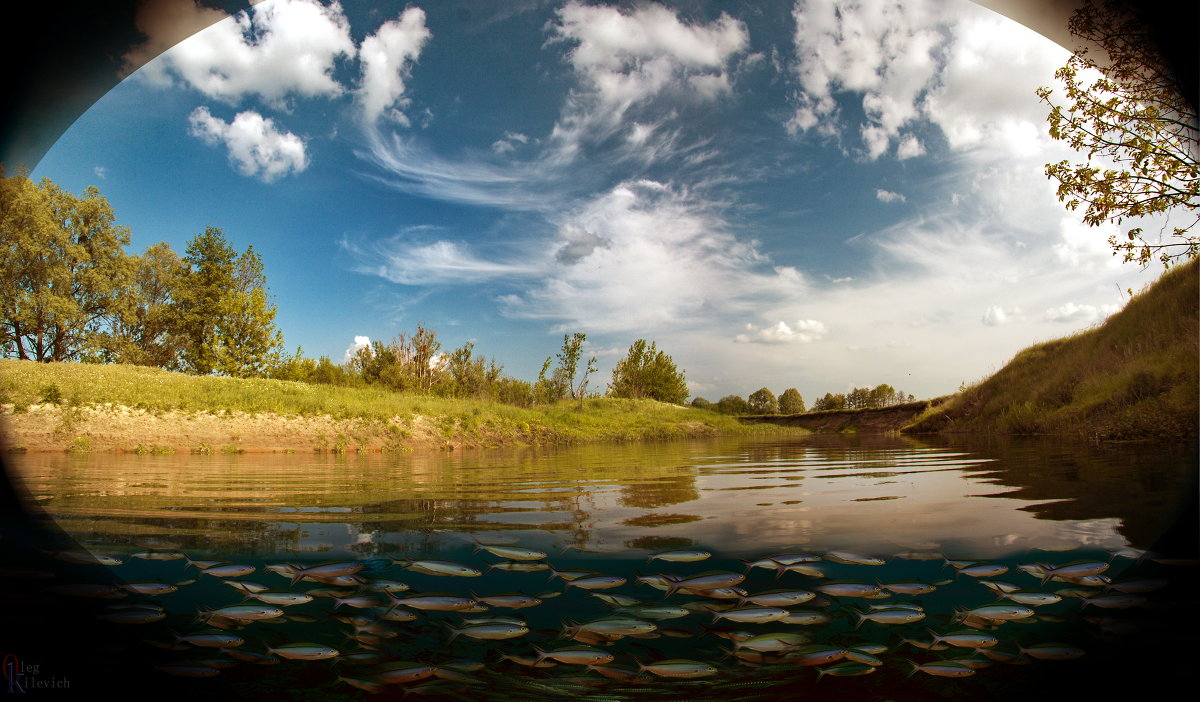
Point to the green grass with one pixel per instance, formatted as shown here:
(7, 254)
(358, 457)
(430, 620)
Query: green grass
(1133, 377)
(155, 391)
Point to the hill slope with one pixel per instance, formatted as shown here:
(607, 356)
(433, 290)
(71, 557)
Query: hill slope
(1133, 377)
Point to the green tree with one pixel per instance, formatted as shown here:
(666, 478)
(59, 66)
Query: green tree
(222, 311)
(62, 267)
(646, 372)
(701, 403)
(791, 402)
(1135, 126)
(762, 401)
(733, 404)
(142, 322)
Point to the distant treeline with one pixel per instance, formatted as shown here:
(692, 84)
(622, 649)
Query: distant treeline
(70, 292)
(763, 401)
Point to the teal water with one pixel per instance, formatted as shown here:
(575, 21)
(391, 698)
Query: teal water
(908, 507)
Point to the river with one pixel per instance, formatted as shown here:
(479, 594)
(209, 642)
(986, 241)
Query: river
(859, 525)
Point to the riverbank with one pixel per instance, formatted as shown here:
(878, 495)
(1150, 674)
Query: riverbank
(1134, 377)
(87, 407)
(883, 420)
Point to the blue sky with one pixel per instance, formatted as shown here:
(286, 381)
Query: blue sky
(801, 194)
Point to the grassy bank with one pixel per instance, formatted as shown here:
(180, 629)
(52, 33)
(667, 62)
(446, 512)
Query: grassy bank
(1133, 377)
(85, 407)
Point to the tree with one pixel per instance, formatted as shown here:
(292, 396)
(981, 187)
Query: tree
(790, 402)
(701, 403)
(62, 267)
(646, 372)
(1139, 132)
(733, 404)
(222, 312)
(762, 401)
(141, 325)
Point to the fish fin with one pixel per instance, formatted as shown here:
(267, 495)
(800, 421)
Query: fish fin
(915, 667)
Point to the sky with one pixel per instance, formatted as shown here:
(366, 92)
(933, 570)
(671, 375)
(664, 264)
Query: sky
(811, 194)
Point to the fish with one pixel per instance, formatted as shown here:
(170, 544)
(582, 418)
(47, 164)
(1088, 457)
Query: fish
(229, 570)
(280, 598)
(678, 668)
(159, 555)
(202, 565)
(512, 553)
(615, 600)
(909, 587)
(442, 603)
(364, 685)
(508, 600)
(597, 582)
(779, 598)
(851, 558)
(658, 613)
(983, 570)
(944, 669)
(849, 589)
(356, 601)
(134, 615)
(751, 615)
(575, 655)
(1052, 651)
(806, 618)
(404, 672)
(999, 586)
(815, 654)
(327, 570)
(520, 566)
(859, 656)
(965, 639)
(999, 612)
(383, 585)
(846, 669)
(304, 651)
(772, 642)
(210, 639)
(897, 615)
(1119, 601)
(1076, 569)
(706, 581)
(569, 574)
(616, 626)
(1035, 599)
(490, 632)
(242, 613)
(153, 587)
(683, 556)
(246, 587)
(86, 557)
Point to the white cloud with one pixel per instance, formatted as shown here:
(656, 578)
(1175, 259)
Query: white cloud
(996, 316)
(279, 48)
(101, 172)
(360, 342)
(256, 148)
(387, 57)
(803, 331)
(623, 60)
(909, 147)
(509, 143)
(1079, 314)
(889, 196)
(659, 259)
(408, 262)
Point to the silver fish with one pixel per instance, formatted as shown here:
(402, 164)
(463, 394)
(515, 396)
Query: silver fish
(490, 632)
(513, 553)
(678, 668)
(779, 598)
(944, 669)
(899, 615)
(597, 582)
(685, 556)
(754, 615)
(849, 589)
(304, 651)
(851, 558)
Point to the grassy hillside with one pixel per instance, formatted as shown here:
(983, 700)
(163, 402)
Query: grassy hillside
(74, 406)
(1133, 377)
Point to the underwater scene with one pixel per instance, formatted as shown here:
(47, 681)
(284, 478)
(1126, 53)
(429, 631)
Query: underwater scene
(728, 569)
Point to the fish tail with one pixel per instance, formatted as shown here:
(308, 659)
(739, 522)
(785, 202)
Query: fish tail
(540, 653)
(915, 667)
(862, 617)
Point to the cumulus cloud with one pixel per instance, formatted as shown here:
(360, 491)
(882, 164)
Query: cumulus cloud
(101, 172)
(803, 331)
(277, 49)
(387, 57)
(1079, 314)
(889, 196)
(509, 143)
(360, 342)
(256, 148)
(996, 316)
(884, 50)
(624, 59)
